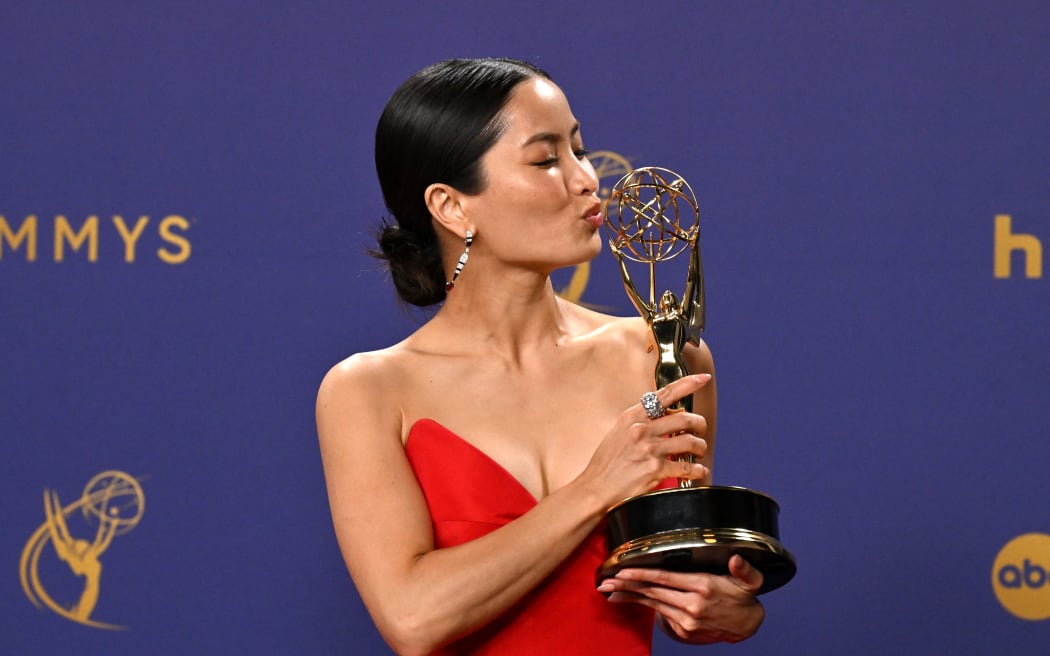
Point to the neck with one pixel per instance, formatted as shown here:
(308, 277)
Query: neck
(513, 317)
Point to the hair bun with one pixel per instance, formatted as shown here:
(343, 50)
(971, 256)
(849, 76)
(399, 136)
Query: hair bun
(415, 267)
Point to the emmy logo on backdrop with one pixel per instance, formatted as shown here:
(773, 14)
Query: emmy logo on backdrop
(111, 504)
(654, 217)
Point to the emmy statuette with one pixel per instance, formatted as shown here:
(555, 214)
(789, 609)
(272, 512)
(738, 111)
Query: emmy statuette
(688, 528)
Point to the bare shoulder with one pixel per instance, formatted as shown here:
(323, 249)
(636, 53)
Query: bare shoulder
(364, 370)
(361, 373)
(634, 335)
(362, 389)
(626, 331)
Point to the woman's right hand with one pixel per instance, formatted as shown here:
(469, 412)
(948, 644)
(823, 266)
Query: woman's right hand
(636, 454)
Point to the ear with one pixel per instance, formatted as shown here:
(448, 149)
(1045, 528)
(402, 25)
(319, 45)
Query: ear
(446, 207)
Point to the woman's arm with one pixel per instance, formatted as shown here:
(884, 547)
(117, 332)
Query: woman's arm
(421, 597)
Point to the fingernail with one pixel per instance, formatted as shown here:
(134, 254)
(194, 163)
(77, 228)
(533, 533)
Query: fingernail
(606, 586)
(702, 378)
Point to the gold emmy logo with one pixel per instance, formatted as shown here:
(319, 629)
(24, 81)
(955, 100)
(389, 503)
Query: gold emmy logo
(609, 167)
(111, 504)
(1021, 576)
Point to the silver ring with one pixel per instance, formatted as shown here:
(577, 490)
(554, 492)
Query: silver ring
(652, 405)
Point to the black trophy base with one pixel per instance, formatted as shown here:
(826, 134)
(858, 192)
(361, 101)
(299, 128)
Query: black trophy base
(698, 530)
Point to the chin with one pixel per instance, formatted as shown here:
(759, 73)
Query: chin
(593, 246)
(584, 253)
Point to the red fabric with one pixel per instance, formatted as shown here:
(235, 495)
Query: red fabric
(469, 495)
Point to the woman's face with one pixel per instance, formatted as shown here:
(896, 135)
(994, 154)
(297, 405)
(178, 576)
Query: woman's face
(539, 207)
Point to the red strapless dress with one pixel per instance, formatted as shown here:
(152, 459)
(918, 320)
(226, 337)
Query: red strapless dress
(469, 495)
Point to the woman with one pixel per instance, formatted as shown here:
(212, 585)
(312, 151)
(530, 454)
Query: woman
(469, 466)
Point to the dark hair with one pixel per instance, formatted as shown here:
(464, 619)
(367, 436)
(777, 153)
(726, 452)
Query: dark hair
(435, 129)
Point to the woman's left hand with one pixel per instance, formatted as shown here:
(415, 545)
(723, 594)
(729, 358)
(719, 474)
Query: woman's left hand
(695, 608)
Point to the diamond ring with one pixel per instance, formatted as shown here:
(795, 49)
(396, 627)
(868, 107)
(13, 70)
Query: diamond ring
(652, 405)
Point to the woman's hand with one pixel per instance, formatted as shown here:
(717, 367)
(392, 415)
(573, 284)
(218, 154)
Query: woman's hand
(695, 608)
(634, 456)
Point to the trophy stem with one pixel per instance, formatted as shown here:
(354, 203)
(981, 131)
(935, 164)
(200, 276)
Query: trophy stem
(652, 283)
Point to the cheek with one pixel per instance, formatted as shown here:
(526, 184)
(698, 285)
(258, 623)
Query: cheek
(523, 200)
(531, 202)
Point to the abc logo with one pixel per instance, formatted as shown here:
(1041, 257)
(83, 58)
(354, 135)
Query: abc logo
(1021, 576)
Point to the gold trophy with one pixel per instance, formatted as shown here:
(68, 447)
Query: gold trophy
(688, 528)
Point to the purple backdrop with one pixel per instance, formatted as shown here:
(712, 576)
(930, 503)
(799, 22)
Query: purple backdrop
(875, 376)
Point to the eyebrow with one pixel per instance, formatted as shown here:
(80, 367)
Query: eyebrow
(550, 137)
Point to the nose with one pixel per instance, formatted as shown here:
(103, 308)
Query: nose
(584, 180)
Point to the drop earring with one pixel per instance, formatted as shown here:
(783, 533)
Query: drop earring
(467, 241)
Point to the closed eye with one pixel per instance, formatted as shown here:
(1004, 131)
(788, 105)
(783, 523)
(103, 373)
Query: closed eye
(580, 153)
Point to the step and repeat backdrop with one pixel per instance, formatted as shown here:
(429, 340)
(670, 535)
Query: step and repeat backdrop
(187, 196)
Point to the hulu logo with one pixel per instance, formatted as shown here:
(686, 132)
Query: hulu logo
(1007, 242)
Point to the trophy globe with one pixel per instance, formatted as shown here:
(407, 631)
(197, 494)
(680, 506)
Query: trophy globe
(651, 205)
(114, 498)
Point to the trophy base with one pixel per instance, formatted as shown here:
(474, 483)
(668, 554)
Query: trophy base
(685, 530)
